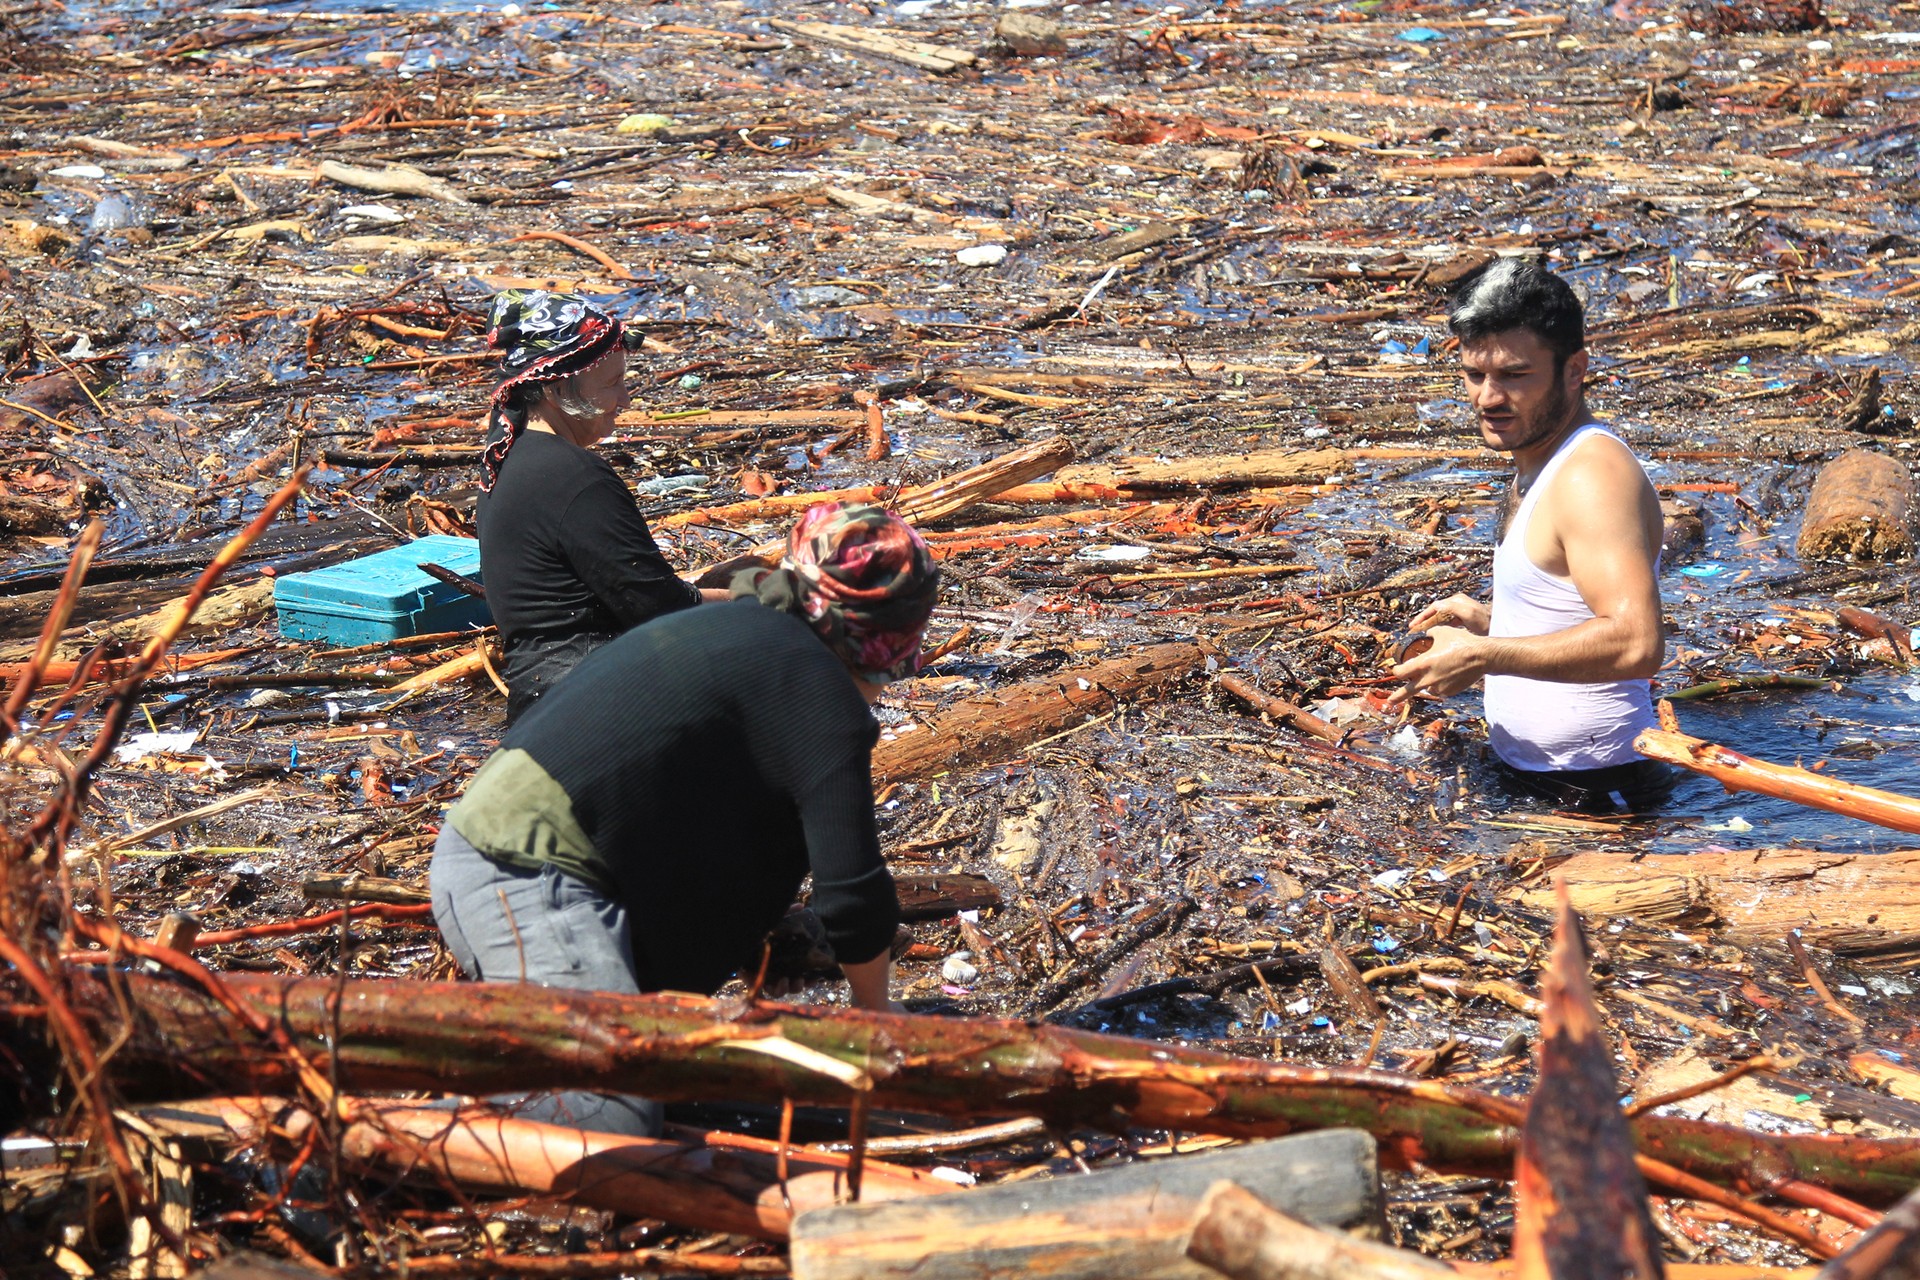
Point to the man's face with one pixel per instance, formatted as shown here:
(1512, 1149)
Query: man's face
(604, 386)
(1520, 397)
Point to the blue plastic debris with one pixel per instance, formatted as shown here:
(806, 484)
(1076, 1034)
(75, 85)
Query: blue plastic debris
(1422, 35)
(1423, 346)
(1703, 570)
(1394, 348)
(1385, 943)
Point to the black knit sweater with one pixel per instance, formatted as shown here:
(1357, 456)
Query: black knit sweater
(714, 757)
(568, 561)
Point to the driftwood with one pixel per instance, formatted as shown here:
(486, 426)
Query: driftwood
(1227, 471)
(1863, 905)
(1737, 772)
(692, 1184)
(400, 180)
(1126, 1221)
(484, 1038)
(1580, 1204)
(998, 725)
(922, 897)
(1028, 35)
(1239, 1236)
(918, 505)
(915, 53)
(1281, 710)
(1890, 1251)
(1859, 509)
(37, 403)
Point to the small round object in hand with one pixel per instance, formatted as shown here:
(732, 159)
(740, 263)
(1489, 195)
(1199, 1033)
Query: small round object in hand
(1407, 646)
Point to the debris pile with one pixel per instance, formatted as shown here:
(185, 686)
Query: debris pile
(1136, 312)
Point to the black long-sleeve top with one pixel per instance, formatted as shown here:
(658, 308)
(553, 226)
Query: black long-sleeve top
(568, 561)
(711, 759)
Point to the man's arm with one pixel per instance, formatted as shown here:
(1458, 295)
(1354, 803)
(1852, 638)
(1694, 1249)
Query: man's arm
(1605, 518)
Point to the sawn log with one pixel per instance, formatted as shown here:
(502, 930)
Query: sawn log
(1128, 1221)
(1228, 471)
(1865, 905)
(1859, 509)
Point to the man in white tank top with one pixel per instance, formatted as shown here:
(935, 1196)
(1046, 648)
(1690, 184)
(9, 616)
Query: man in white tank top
(1573, 632)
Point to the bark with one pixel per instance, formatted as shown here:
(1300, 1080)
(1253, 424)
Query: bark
(1738, 772)
(500, 1037)
(689, 1184)
(1862, 905)
(1580, 1204)
(999, 725)
(1238, 1236)
(1859, 510)
(52, 395)
(1028, 35)
(1871, 626)
(1891, 1251)
(1128, 1221)
(1228, 471)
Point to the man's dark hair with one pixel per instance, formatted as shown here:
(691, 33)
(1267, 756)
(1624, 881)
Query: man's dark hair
(1519, 293)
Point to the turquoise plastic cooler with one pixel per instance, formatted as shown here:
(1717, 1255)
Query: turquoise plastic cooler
(383, 596)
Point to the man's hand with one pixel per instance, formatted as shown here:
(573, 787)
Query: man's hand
(1461, 611)
(1455, 661)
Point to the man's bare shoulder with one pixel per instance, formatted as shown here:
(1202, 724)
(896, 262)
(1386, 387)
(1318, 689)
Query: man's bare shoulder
(1604, 462)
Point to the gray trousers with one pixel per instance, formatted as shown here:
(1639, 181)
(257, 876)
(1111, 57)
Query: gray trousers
(509, 924)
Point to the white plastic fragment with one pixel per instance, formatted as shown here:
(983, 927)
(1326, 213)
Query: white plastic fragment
(142, 745)
(981, 255)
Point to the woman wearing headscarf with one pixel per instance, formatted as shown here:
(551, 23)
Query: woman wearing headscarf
(568, 560)
(652, 818)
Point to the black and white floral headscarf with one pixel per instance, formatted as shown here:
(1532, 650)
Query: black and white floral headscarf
(543, 337)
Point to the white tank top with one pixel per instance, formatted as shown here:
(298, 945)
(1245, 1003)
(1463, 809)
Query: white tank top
(1543, 724)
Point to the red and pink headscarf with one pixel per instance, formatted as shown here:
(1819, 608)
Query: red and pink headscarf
(862, 578)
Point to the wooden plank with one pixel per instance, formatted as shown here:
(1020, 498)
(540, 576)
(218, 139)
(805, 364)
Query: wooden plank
(917, 53)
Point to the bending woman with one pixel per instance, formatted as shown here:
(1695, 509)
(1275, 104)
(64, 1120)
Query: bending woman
(568, 560)
(647, 824)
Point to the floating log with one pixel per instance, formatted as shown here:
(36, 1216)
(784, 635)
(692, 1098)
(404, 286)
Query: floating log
(999, 725)
(689, 1184)
(1128, 1221)
(1239, 1236)
(1864, 905)
(1858, 510)
(1737, 772)
(486, 1038)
